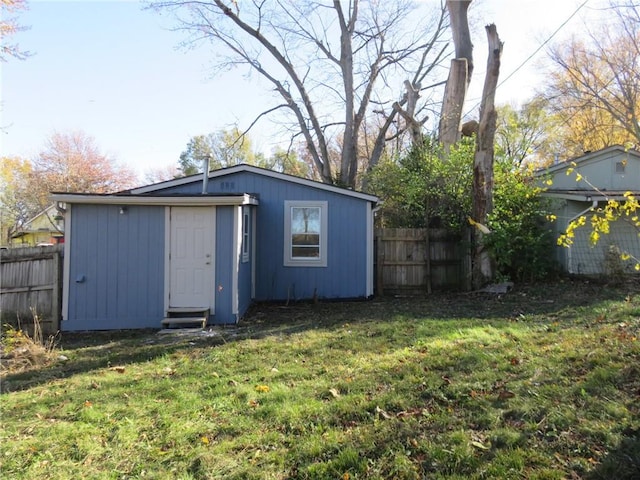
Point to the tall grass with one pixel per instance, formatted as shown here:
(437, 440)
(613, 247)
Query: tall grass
(26, 346)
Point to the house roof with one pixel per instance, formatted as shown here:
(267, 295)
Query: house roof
(39, 223)
(127, 198)
(589, 195)
(558, 167)
(258, 171)
(50, 210)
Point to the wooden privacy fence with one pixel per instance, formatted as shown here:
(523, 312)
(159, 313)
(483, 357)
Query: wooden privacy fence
(419, 260)
(31, 283)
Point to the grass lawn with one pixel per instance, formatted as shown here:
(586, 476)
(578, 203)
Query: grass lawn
(541, 383)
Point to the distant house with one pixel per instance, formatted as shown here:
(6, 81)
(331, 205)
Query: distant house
(47, 227)
(595, 178)
(165, 253)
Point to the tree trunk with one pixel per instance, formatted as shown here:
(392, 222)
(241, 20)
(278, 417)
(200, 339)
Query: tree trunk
(483, 267)
(460, 72)
(454, 95)
(460, 30)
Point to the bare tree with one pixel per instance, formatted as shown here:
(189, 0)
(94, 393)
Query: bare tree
(594, 87)
(9, 26)
(333, 65)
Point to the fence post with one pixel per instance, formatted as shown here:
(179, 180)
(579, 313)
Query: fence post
(427, 234)
(379, 261)
(56, 293)
(467, 260)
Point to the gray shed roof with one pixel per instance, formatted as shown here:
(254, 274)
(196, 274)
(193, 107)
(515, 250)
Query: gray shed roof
(256, 170)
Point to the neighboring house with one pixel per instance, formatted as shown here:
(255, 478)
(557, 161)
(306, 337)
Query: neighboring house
(168, 250)
(595, 178)
(47, 227)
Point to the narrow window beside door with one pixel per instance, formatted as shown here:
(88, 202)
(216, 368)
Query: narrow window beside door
(245, 234)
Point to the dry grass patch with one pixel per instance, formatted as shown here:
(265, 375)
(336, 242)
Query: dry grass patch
(22, 350)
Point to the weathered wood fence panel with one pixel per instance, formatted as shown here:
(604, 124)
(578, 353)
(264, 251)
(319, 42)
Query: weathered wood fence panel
(419, 260)
(31, 282)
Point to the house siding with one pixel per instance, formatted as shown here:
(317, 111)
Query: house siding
(592, 177)
(346, 273)
(599, 170)
(225, 262)
(116, 268)
(604, 257)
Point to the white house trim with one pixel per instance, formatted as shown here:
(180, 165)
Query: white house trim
(253, 252)
(237, 255)
(587, 196)
(167, 257)
(173, 200)
(369, 267)
(66, 264)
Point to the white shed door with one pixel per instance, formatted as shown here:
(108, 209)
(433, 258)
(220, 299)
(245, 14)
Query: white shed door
(192, 257)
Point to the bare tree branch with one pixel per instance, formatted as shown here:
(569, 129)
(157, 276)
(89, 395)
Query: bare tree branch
(325, 60)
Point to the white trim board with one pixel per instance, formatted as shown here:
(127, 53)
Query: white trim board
(162, 200)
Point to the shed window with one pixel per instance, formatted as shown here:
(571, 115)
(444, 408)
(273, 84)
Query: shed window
(305, 241)
(620, 167)
(245, 234)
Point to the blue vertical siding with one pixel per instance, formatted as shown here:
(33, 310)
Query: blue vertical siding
(116, 276)
(226, 260)
(345, 274)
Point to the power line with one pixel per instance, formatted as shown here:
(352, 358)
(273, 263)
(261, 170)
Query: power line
(542, 45)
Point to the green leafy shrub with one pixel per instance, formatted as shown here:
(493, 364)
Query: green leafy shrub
(520, 242)
(420, 190)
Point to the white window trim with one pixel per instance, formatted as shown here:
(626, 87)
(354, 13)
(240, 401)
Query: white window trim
(246, 234)
(321, 261)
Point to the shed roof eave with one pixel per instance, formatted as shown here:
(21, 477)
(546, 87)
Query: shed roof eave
(160, 200)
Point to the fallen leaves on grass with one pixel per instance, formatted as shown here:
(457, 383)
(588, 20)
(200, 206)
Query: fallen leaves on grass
(505, 394)
(382, 413)
(479, 445)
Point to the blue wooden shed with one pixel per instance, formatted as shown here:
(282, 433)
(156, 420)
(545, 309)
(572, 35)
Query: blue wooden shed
(206, 247)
